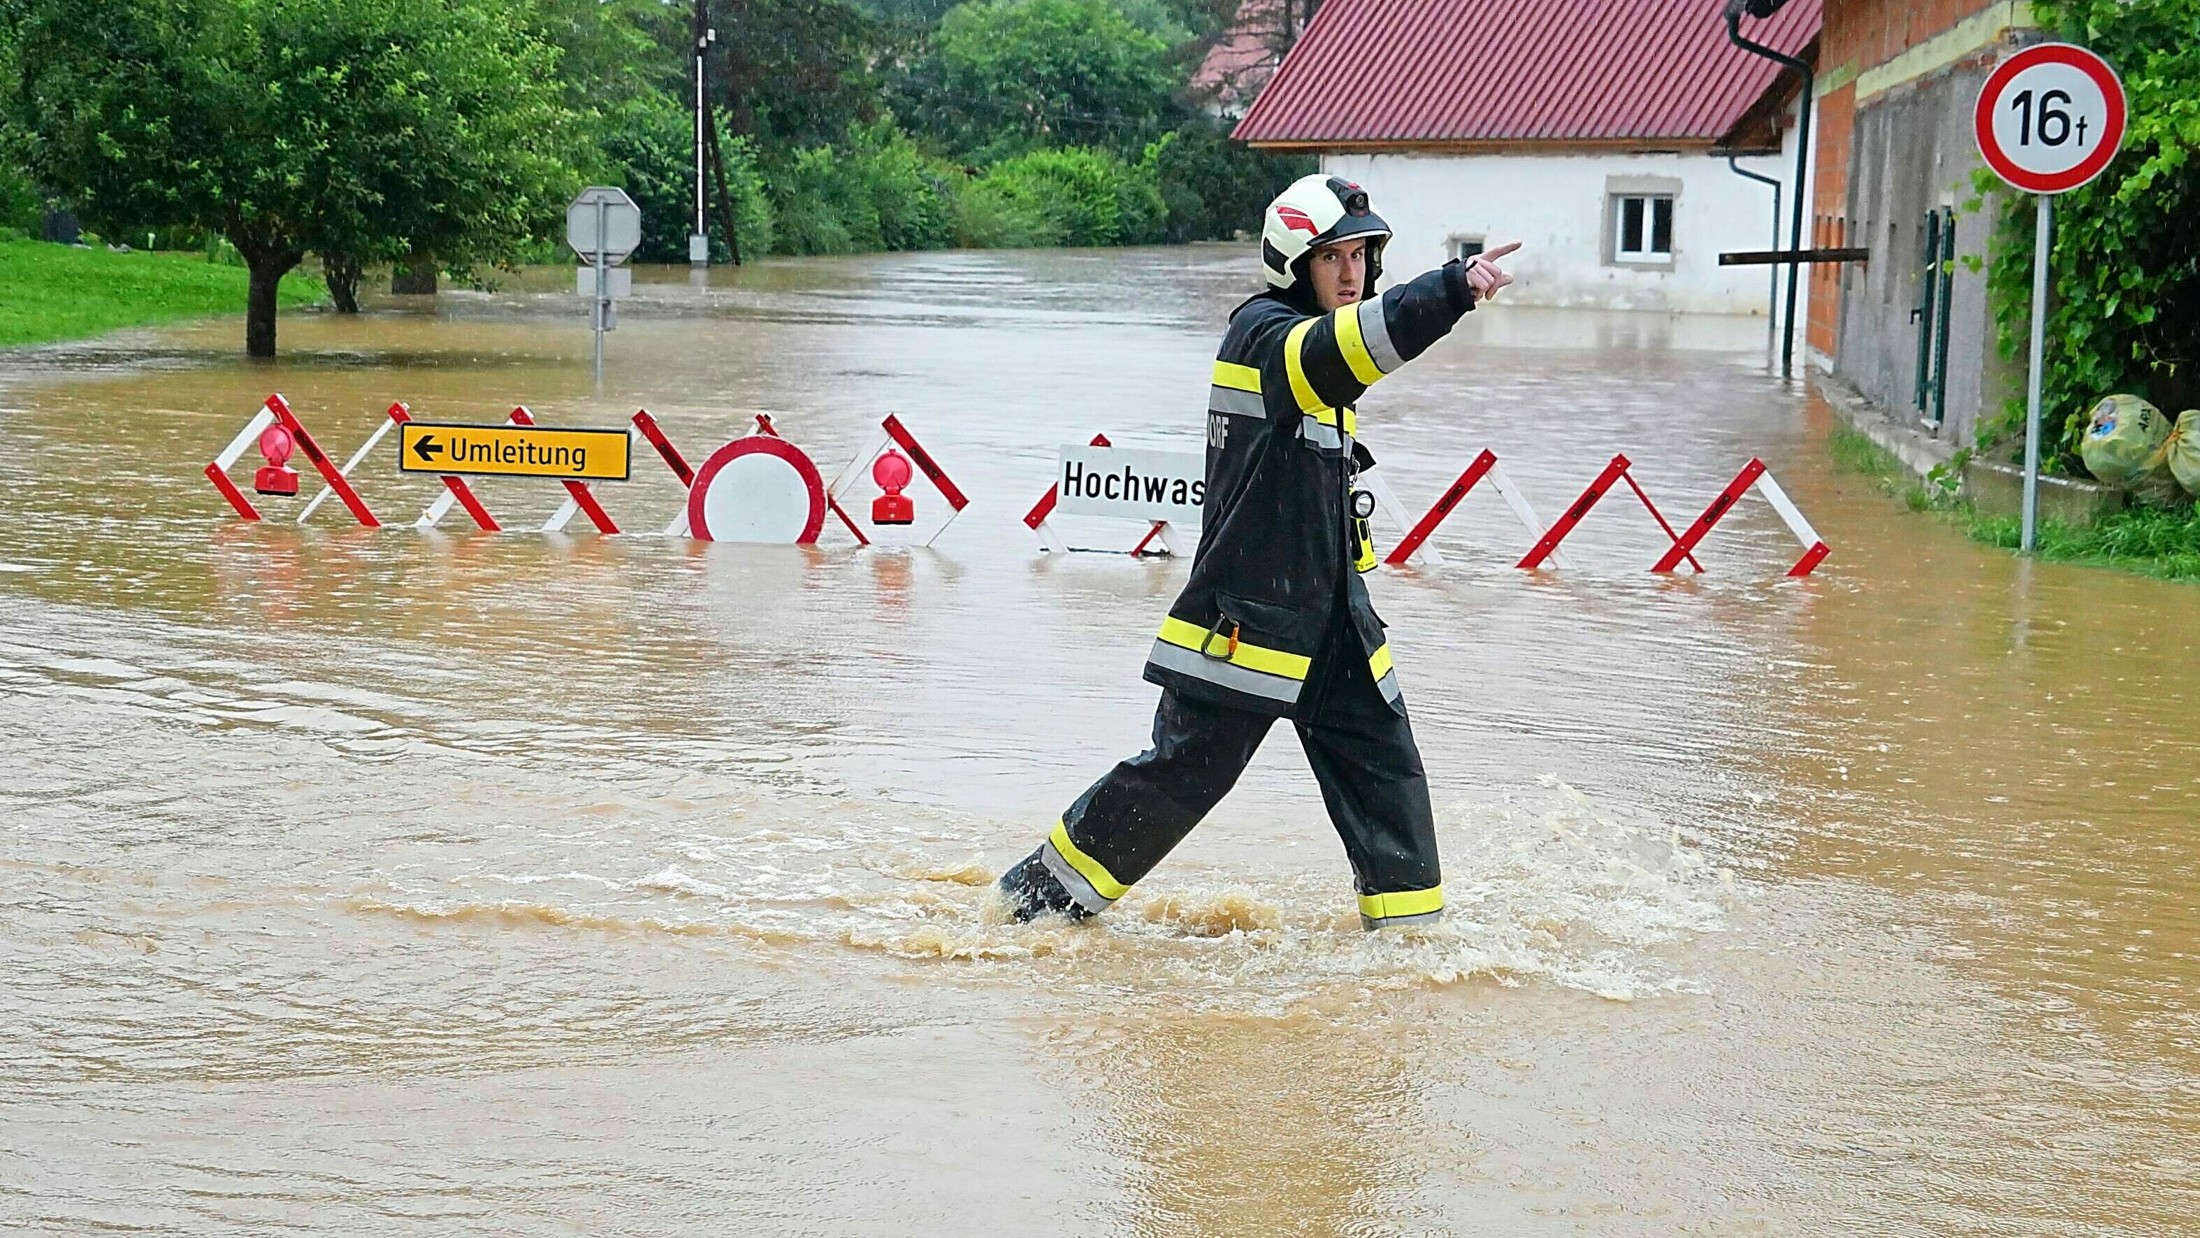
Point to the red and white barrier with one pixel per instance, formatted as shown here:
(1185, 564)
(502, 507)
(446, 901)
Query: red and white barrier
(892, 433)
(1416, 546)
(1051, 542)
(1546, 546)
(1754, 474)
(276, 411)
(1417, 541)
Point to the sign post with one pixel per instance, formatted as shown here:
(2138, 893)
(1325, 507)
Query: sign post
(603, 226)
(2048, 120)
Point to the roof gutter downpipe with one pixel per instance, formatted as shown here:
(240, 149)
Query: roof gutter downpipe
(1761, 9)
(1772, 293)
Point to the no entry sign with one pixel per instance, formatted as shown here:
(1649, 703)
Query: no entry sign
(2049, 119)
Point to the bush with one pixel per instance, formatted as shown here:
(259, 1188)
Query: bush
(1064, 197)
(1213, 186)
(649, 142)
(21, 208)
(876, 192)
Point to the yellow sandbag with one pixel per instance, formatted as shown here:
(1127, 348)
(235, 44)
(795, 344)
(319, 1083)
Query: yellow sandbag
(2182, 449)
(2121, 437)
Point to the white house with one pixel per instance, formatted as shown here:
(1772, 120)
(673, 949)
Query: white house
(1596, 132)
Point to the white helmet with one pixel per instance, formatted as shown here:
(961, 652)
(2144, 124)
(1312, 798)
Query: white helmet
(1316, 210)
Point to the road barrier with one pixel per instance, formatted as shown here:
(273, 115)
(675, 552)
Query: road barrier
(1140, 485)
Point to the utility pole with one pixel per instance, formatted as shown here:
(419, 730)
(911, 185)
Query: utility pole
(699, 240)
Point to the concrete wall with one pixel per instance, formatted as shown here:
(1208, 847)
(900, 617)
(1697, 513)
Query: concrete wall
(1897, 81)
(1556, 205)
(1914, 152)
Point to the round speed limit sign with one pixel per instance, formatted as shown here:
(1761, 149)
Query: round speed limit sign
(2050, 118)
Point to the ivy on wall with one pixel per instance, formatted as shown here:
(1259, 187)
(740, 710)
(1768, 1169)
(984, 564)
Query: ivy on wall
(2124, 284)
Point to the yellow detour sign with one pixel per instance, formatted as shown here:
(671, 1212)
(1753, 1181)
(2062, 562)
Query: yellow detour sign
(513, 451)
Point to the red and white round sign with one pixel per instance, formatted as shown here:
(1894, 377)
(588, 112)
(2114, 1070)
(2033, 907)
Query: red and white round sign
(2050, 118)
(757, 489)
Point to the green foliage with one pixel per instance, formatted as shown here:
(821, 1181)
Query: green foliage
(1214, 187)
(800, 72)
(1007, 76)
(358, 128)
(22, 211)
(874, 191)
(1063, 197)
(2164, 544)
(649, 143)
(2125, 269)
(61, 292)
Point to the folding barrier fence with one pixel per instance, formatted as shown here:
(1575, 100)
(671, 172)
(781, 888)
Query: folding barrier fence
(896, 458)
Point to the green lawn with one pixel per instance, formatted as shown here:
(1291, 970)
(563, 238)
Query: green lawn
(60, 292)
(2162, 544)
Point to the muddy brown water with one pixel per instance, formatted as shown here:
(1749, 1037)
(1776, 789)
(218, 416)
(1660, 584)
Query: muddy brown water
(411, 882)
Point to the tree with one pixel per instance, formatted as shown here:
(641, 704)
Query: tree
(1010, 75)
(359, 129)
(797, 73)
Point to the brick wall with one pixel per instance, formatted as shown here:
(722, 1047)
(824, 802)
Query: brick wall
(1869, 33)
(1829, 213)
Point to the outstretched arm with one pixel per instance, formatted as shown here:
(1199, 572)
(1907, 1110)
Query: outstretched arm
(1330, 360)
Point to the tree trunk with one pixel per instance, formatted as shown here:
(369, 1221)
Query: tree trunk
(268, 268)
(341, 274)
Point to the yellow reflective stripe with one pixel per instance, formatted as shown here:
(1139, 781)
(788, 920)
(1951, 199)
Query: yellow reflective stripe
(1343, 418)
(1103, 882)
(1248, 655)
(1294, 345)
(1380, 663)
(1354, 346)
(1237, 377)
(1401, 903)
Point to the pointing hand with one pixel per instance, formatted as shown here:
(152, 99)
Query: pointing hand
(1483, 274)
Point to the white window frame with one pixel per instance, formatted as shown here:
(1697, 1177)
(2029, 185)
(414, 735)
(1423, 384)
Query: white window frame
(1460, 246)
(1637, 250)
(1650, 191)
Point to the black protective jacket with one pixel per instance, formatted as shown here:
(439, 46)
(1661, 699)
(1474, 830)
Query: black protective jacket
(1276, 549)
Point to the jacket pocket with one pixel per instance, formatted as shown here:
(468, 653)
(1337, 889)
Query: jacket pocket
(1292, 627)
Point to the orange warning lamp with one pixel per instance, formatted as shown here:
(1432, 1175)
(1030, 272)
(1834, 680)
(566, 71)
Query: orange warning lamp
(892, 472)
(276, 477)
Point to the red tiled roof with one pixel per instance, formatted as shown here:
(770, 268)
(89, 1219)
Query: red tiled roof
(1442, 71)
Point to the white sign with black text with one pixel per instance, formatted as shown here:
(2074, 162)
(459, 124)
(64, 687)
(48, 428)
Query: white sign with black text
(1129, 483)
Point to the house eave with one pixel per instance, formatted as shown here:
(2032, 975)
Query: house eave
(1694, 145)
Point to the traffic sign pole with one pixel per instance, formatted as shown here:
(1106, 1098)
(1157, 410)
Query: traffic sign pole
(603, 212)
(2048, 120)
(2042, 234)
(602, 226)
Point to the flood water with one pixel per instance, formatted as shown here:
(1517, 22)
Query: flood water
(409, 881)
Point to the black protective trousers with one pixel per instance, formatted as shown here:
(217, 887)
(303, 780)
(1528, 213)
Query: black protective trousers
(1362, 754)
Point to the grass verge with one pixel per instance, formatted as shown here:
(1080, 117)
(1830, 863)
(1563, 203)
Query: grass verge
(2164, 544)
(60, 292)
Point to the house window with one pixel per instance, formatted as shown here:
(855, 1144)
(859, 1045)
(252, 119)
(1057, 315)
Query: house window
(1642, 228)
(1463, 247)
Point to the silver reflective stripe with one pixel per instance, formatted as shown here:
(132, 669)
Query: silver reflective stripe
(1388, 686)
(1240, 403)
(1320, 435)
(1370, 923)
(1072, 880)
(1375, 329)
(1223, 674)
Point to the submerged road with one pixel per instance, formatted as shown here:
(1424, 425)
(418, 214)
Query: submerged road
(399, 882)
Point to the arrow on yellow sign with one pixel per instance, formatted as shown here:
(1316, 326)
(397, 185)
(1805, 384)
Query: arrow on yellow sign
(513, 451)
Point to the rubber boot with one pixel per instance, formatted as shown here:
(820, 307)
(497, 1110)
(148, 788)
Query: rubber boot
(1032, 891)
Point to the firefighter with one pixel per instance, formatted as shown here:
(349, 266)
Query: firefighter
(1274, 621)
